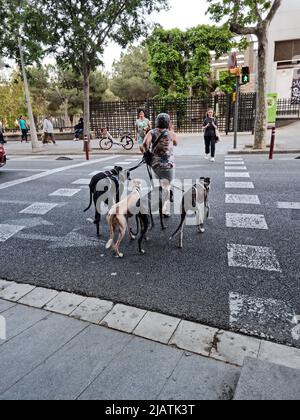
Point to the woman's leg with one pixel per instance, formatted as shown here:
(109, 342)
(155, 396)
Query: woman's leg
(207, 144)
(213, 147)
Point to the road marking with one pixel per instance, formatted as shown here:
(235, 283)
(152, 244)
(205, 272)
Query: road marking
(234, 163)
(245, 185)
(235, 168)
(85, 181)
(242, 199)
(289, 206)
(23, 170)
(254, 257)
(246, 221)
(39, 208)
(7, 231)
(52, 172)
(71, 240)
(237, 175)
(262, 317)
(122, 163)
(64, 192)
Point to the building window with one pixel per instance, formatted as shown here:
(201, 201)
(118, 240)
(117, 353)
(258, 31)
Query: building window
(287, 50)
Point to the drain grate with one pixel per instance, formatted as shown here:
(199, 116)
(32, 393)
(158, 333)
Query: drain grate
(64, 158)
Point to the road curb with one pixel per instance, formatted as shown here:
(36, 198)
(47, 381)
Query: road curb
(263, 152)
(192, 337)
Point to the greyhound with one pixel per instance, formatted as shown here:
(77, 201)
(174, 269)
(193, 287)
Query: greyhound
(193, 200)
(118, 216)
(109, 183)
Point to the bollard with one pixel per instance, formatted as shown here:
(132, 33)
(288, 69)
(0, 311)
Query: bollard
(86, 147)
(272, 146)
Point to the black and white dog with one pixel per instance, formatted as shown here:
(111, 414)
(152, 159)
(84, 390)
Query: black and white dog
(106, 187)
(196, 200)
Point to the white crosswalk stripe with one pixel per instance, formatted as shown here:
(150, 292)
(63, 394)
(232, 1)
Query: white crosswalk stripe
(234, 163)
(246, 221)
(237, 175)
(242, 185)
(82, 182)
(242, 199)
(253, 257)
(39, 208)
(235, 168)
(7, 231)
(288, 206)
(64, 192)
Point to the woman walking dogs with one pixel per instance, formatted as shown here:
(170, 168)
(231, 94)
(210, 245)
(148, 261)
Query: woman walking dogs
(211, 136)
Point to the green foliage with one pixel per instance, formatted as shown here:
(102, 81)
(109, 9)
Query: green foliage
(132, 76)
(181, 60)
(12, 101)
(227, 83)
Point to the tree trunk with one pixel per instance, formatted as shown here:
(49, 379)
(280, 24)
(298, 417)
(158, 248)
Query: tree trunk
(66, 108)
(33, 132)
(261, 111)
(86, 102)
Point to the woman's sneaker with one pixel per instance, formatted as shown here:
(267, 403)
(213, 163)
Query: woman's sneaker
(212, 159)
(206, 157)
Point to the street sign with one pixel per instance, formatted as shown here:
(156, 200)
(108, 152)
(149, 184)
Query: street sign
(272, 107)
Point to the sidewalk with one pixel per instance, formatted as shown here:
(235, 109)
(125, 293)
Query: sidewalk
(85, 348)
(287, 141)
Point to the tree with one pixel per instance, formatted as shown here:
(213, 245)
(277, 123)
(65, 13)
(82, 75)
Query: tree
(78, 31)
(181, 60)
(251, 17)
(132, 76)
(21, 39)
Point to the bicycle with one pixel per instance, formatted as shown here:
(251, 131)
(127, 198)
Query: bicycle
(106, 143)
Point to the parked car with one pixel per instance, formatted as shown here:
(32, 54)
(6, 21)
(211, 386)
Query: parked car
(2, 156)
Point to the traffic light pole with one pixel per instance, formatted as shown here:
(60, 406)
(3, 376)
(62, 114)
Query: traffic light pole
(236, 113)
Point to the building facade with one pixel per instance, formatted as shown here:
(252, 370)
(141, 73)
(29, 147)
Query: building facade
(283, 70)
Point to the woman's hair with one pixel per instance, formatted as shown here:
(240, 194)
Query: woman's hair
(163, 121)
(141, 110)
(210, 109)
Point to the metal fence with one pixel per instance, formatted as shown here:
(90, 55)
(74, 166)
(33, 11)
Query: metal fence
(288, 108)
(187, 115)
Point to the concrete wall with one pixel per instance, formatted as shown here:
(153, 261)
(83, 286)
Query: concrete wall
(285, 26)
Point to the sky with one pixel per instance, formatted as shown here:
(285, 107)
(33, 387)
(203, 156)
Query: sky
(183, 14)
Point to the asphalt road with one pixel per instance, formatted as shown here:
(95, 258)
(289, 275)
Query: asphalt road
(239, 278)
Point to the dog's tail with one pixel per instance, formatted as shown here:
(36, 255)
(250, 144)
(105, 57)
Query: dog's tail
(183, 217)
(110, 221)
(91, 202)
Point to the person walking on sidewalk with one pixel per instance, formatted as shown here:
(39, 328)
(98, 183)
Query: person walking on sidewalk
(142, 127)
(48, 130)
(210, 127)
(24, 129)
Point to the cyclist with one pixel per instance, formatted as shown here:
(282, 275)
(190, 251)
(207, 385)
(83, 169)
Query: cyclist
(79, 129)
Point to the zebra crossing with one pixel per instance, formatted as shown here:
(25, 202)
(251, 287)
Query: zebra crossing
(243, 255)
(7, 231)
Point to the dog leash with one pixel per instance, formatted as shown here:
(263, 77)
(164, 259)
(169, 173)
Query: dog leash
(138, 166)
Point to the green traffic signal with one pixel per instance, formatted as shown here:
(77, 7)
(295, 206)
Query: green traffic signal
(245, 75)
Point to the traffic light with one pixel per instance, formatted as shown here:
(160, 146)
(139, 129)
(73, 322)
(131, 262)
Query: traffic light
(245, 75)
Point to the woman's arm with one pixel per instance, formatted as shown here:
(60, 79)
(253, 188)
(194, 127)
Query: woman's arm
(147, 141)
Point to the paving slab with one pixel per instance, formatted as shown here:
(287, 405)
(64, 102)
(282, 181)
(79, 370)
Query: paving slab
(194, 337)
(15, 292)
(157, 327)
(39, 297)
(233, 348)
(93, 310)
(123, 318)
(65, 303)
(138, 373)
(281, 355)
(4, 284)
(26, 351)
(19, 318)
(4, 305)
(264, 381)
(198, 378)
(69, 371)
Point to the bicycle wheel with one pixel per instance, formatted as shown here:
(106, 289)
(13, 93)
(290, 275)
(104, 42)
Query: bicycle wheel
(105, 144)
(127, 142)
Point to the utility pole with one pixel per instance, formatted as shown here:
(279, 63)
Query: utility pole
(236, 113)
(33, 132)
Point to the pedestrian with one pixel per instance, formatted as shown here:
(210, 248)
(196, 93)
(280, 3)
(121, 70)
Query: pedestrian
(24, 129)
(79, 128)
(210, 127)
(48, 130)
(142, 127)
(2, 140)
(160, 142)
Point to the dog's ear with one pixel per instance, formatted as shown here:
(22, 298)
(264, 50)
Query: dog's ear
(118, 169)
(137, 183)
